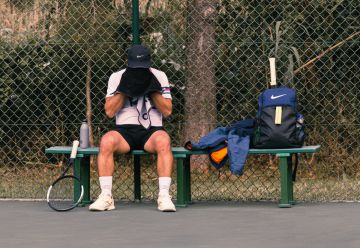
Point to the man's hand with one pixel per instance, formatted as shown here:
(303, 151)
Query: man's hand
(114, 103)
(164, 105)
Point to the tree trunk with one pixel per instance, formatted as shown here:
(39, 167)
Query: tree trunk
(200, 94)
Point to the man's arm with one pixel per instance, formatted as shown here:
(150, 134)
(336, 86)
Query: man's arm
(113, 104)
(164, 105)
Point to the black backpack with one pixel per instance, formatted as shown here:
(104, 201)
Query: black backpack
(278, 124)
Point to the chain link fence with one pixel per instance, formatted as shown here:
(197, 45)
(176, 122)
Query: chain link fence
(56, 57)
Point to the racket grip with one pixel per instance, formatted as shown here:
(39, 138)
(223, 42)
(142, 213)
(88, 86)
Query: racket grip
(272, 72)
(74, 149)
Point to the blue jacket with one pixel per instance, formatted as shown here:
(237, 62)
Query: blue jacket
(236, 137)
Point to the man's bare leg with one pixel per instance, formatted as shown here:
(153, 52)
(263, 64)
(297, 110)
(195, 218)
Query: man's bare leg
(110, 143)
(160, 143)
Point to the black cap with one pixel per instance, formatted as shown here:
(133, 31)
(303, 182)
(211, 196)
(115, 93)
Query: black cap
(139, 57)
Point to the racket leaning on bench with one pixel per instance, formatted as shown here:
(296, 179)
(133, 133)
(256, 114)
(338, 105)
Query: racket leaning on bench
(60, 195)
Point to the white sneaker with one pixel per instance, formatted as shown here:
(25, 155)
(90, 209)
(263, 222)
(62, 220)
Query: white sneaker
(165, 204)
(103, 202)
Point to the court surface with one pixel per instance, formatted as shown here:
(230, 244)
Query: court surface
(208, 224)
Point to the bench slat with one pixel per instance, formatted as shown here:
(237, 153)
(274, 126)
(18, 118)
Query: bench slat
(67, 150)
(181, 150)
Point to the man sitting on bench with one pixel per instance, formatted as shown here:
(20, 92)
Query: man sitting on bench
(138, 96)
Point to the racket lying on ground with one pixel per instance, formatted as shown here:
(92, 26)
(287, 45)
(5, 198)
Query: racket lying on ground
(60, 195)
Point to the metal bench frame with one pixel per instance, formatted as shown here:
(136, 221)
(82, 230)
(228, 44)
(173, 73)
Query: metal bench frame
(182, 158)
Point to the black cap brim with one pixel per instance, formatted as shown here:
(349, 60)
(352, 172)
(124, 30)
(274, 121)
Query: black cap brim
(139, 64)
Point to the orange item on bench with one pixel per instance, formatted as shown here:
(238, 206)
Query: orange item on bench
(219, 155)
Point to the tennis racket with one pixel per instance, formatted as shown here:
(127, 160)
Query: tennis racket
(60, 195)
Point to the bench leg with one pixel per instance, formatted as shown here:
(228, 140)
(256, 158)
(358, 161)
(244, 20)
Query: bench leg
(181, 183)
(286, 182)
(82, 171)
(187, 180)
(137, 178)
(290, 183)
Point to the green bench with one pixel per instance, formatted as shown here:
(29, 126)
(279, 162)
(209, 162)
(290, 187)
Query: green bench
(182, 158)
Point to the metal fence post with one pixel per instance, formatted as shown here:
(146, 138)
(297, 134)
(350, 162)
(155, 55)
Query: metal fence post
(135, 22)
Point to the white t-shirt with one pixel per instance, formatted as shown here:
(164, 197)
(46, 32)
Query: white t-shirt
(130, 114)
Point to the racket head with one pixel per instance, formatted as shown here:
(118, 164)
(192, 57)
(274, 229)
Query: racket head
(60, 195)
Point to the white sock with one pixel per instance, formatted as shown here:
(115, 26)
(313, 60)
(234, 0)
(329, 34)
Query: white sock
(164, 185)
(106, 185)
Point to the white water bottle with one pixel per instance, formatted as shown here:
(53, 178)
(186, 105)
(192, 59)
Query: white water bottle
(84, 135)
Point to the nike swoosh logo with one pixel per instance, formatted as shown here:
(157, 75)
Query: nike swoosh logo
(275, 97)
(139, 56)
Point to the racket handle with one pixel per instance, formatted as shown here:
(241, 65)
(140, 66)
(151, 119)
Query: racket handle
(272, 72)
(74, 149)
